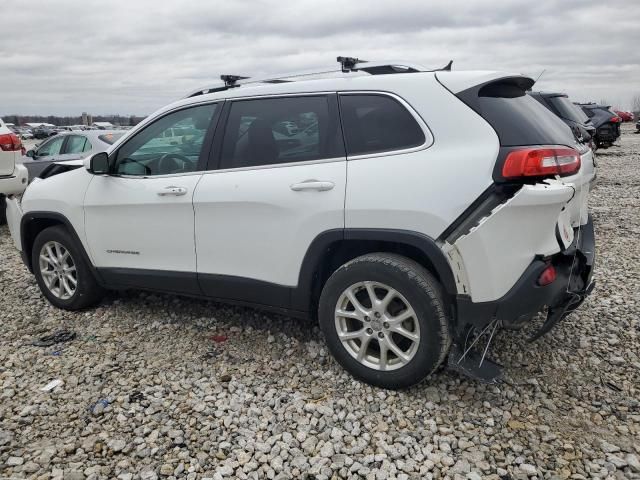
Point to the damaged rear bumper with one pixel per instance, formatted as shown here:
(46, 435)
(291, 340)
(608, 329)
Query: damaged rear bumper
(574, 269)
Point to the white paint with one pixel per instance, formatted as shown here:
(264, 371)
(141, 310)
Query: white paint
(251, 223)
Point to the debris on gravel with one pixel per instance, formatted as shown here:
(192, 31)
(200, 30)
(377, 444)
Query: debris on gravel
(161, 387)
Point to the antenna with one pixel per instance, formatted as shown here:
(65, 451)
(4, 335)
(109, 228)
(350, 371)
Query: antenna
(536, 81)
(447, 67)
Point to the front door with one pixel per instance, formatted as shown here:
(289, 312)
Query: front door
(280, 182)
(139, 220)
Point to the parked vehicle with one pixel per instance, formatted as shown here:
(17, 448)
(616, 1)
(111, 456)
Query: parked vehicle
(43, 132)
(638, 126)
(68, 146)
(607, 123)
(570, 114)
(457, 213)
(13, 175)
(624, 116)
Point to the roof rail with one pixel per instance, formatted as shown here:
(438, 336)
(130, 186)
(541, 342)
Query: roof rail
(347, 65)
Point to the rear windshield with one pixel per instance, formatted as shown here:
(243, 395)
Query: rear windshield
(110, 138)
(517, 118)
(568, 110)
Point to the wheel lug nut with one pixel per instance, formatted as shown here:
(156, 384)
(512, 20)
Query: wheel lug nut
(380, 335)
(377, 314)
(366, 319)
(369, 331)
(385, 325)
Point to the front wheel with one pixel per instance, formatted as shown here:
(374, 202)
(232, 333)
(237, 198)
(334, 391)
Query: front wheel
(384, 320)
(62, 273)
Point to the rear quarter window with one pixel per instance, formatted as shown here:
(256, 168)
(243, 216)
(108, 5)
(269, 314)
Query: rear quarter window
(517, 118)
(377, 123)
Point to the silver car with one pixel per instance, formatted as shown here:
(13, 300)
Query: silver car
(67, 146)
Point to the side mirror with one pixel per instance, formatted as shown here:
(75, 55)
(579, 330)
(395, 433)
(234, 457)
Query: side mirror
(99, 164)
(31, 153)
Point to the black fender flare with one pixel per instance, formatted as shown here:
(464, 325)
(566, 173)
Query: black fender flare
(324, 242)
(56, 218)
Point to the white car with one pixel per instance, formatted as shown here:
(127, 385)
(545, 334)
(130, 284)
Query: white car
(421, 210)
(13, 175)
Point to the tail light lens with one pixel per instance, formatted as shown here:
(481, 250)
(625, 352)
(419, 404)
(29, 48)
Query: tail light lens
(10, 142)
(547, 276)
(541, 162)
(615, 119)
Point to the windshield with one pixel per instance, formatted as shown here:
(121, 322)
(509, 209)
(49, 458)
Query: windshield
(110, 138)
(568, 110)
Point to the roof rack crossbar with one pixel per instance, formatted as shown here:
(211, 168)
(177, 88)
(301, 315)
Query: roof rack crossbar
(347, 65)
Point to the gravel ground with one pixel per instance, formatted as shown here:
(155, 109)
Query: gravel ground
(165, 387)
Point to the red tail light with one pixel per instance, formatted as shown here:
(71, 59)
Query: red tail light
(541, 162)
(10, 142)
(615, 119)
(547, 276)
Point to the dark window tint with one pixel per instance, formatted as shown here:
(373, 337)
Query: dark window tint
(377, 123)
(170, 145)
(516, 117)
(76, 144)
(568, 110)
(589, 112)
(280, 130)
(110, 138)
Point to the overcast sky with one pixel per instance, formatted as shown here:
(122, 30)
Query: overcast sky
(132, 57)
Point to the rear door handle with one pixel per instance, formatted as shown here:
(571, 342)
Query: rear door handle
(317, 185)
(174, 191)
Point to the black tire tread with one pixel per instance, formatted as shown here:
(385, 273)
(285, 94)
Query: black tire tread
(426, 282)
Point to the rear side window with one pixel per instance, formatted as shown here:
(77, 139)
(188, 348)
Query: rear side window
(110, 137)
(272, 131)
(377, 123)
(76, 144)
(517, 118)
(568, 110)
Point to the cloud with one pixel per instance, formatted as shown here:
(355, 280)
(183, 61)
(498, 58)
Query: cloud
(132, 57)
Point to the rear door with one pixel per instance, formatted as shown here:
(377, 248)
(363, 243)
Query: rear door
(278, 183)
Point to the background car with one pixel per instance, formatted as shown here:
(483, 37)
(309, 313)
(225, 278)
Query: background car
(570, 114)
(13, 176)
(607, 123)
(43, 132)
(68, 146)
(625, 116)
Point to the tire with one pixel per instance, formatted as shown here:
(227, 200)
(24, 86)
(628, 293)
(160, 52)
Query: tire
(53, 242)
(416, 291)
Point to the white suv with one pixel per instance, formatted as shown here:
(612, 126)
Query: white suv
(408, 210)
(13, 174)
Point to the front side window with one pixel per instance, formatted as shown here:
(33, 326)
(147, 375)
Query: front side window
(51, 147)
(280, 130)
(170, 145)
(77, 144)
(377, 123)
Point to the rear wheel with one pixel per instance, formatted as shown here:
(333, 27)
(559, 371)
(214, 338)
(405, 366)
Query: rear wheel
(383, 316)
(63, 275)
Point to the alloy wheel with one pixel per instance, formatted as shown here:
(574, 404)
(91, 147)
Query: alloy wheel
(377, 325)
(58, 270)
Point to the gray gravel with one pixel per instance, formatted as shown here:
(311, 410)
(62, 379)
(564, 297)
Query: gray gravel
(162, 387)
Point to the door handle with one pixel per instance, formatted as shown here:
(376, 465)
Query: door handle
(317, 185)
(174, 191)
